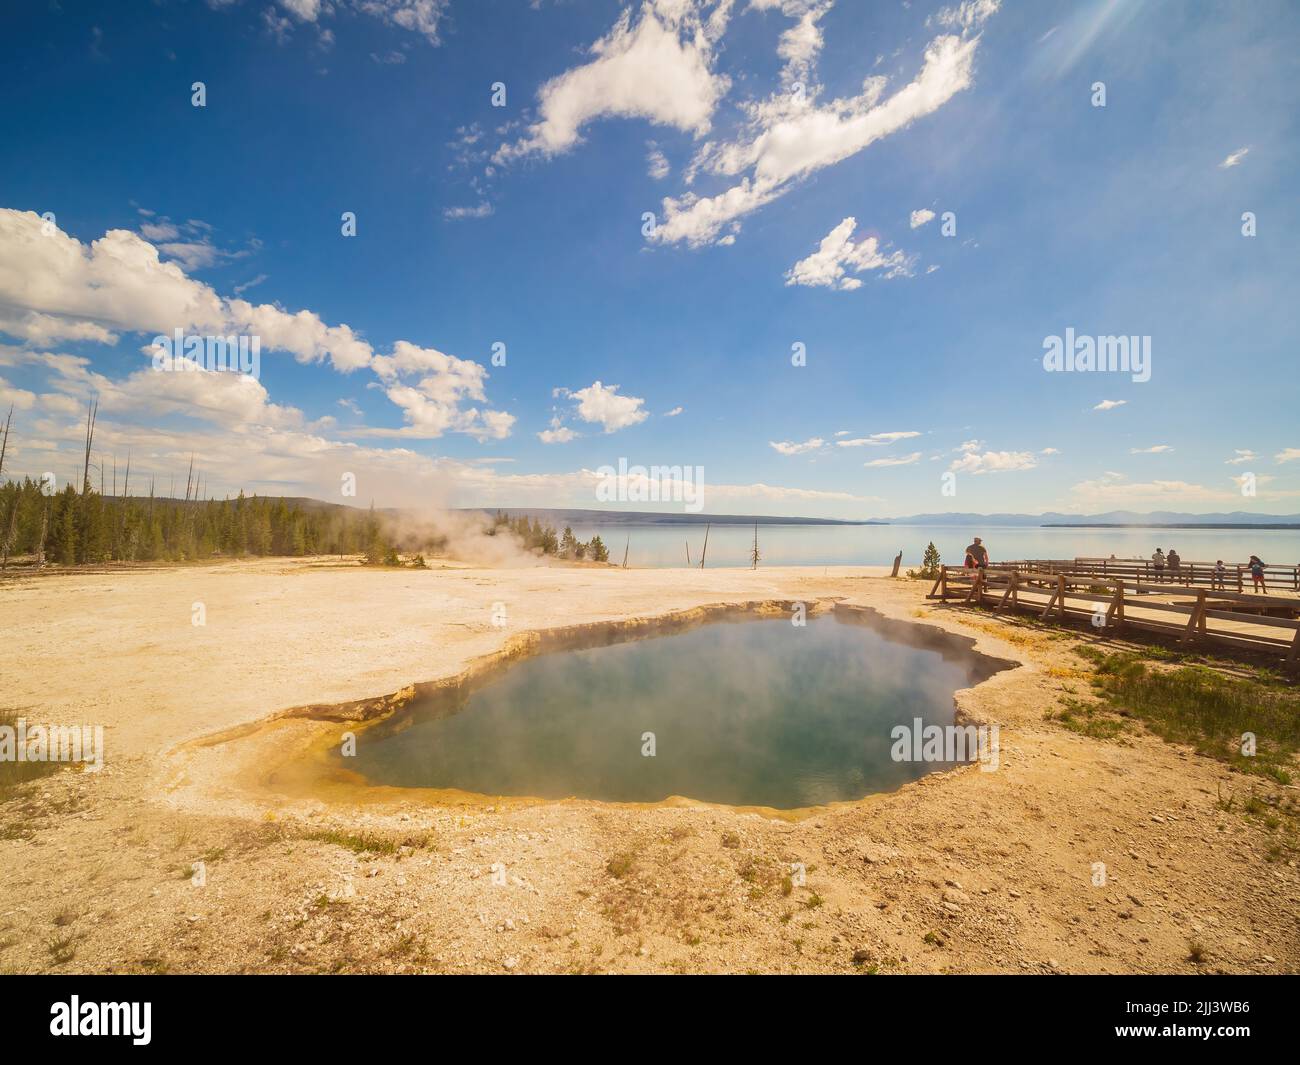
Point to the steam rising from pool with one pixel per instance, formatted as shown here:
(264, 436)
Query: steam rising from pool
(761, 713)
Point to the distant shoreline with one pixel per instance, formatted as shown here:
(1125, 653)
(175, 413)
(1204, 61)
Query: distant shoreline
(1168, 525)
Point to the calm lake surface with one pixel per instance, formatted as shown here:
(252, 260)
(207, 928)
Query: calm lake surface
(876, 545)
(746, 713)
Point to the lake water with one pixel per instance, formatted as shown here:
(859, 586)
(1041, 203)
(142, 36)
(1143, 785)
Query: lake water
(876, 545)
(760, 713)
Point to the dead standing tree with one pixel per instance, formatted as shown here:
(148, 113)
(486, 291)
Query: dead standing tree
(12, 524)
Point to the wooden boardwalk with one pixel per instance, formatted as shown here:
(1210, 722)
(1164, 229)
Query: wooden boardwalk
(1186, 613)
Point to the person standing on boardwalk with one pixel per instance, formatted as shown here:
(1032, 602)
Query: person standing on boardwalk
(1219, 577)
(979, 553)
(1158, 564)
(1257, 573)
(1174, 562)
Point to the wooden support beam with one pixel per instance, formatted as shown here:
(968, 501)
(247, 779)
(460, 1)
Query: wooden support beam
(938, 581)
(1011, 587)
(1195, 623)
(1058, 593)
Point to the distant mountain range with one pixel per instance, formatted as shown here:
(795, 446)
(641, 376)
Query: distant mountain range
(1153, 519)
(560, 518)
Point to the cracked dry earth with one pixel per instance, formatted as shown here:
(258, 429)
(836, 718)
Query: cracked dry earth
(966, 871)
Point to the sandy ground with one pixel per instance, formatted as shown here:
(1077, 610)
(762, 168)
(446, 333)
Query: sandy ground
(966, 871)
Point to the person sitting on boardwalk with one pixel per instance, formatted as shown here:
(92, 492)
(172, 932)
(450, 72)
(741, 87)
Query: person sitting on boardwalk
(1219, 576)
(1257, 573)
(1158, 564)
(979, 553)
(1174, 562)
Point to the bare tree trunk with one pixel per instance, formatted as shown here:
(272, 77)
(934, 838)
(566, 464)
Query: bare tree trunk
(705, 551)
(40, 547)
(92, 412)
(4, 445)
(9, 536)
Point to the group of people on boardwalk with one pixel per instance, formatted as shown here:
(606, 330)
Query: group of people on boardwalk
(1160, 562)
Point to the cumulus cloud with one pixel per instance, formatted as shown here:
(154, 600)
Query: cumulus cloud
(1240, 456)
(654, 64)
(557, 434)
(602, 405)
(656, 162)
(54, 287)
(1110, 404)
(837, 257)
(921, 217)
(1288, 454)
(994, 462)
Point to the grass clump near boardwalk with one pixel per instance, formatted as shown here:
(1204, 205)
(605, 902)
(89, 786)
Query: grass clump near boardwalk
(1196, 705)
(371, 842)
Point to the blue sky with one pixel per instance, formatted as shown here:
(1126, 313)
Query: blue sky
(799, 157)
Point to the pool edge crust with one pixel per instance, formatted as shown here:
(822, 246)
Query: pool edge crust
(300, 770)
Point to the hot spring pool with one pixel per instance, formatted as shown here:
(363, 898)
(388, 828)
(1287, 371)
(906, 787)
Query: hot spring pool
(748, 713)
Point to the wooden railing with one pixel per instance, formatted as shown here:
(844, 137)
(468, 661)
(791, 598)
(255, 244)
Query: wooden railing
(1188, 574)
(1268, 623)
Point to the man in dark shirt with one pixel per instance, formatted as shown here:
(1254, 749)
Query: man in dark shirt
(979, 553)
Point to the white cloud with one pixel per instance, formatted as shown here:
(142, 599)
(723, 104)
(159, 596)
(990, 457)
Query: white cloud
(876, 439)
(602, 405)
(977, 462)
(656, 162)
(789, 447)
(559, 434)
(1234, 159)
(902, 460)
(1115, 489)
(1049, 451)
(921, 217)
(837, 256)
(54, 287)
(655, 65)
(1110, 404)
(1241, 456)
(673, 413)
(789, 139)
(966, 15)
(19, 398)
(1289, 454)
(482, 210)
(418, 16)
(1155, 449)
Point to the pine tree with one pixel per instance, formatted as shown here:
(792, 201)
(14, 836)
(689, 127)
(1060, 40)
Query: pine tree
(568, 543)
(930, 564)
(596, 548)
